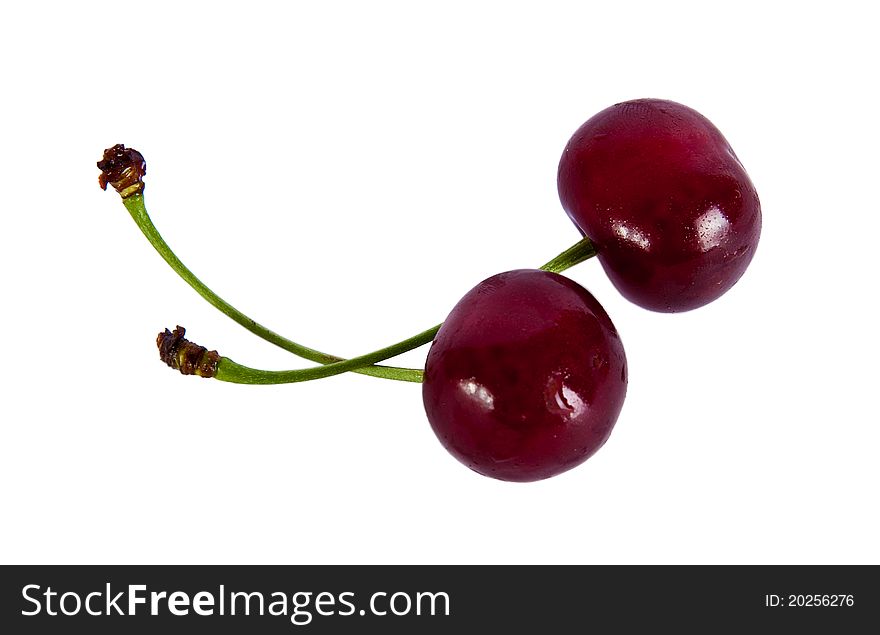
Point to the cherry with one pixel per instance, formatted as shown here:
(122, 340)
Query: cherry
(673, 214)
(526, 376)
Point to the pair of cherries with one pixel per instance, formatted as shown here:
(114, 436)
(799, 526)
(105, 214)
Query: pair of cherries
(527, 376)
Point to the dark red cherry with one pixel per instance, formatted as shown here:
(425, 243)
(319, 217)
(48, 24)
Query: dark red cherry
(526, 377)
(671, 210)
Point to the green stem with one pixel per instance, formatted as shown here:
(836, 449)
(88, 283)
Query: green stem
(228, 370)
(577, 253)
(231, 371)
(136, 207)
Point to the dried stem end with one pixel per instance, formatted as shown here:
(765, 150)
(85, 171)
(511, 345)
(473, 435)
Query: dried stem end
(124, 169)
(185, 356)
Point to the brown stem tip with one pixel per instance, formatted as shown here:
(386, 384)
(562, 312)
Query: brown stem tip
(185, 356)
(124, 169)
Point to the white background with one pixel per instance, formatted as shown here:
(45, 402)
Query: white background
(345, 172)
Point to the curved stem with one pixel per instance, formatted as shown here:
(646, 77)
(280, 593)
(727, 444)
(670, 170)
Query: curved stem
(136, 207)
(230, 371)
(364, 364)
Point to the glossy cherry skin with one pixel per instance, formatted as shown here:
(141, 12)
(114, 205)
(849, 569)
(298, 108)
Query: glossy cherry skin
(526, 377)
(671, 210)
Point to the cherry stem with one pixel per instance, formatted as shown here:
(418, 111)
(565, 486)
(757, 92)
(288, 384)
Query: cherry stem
(137, 208)
(584, 249)
(231, 371)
